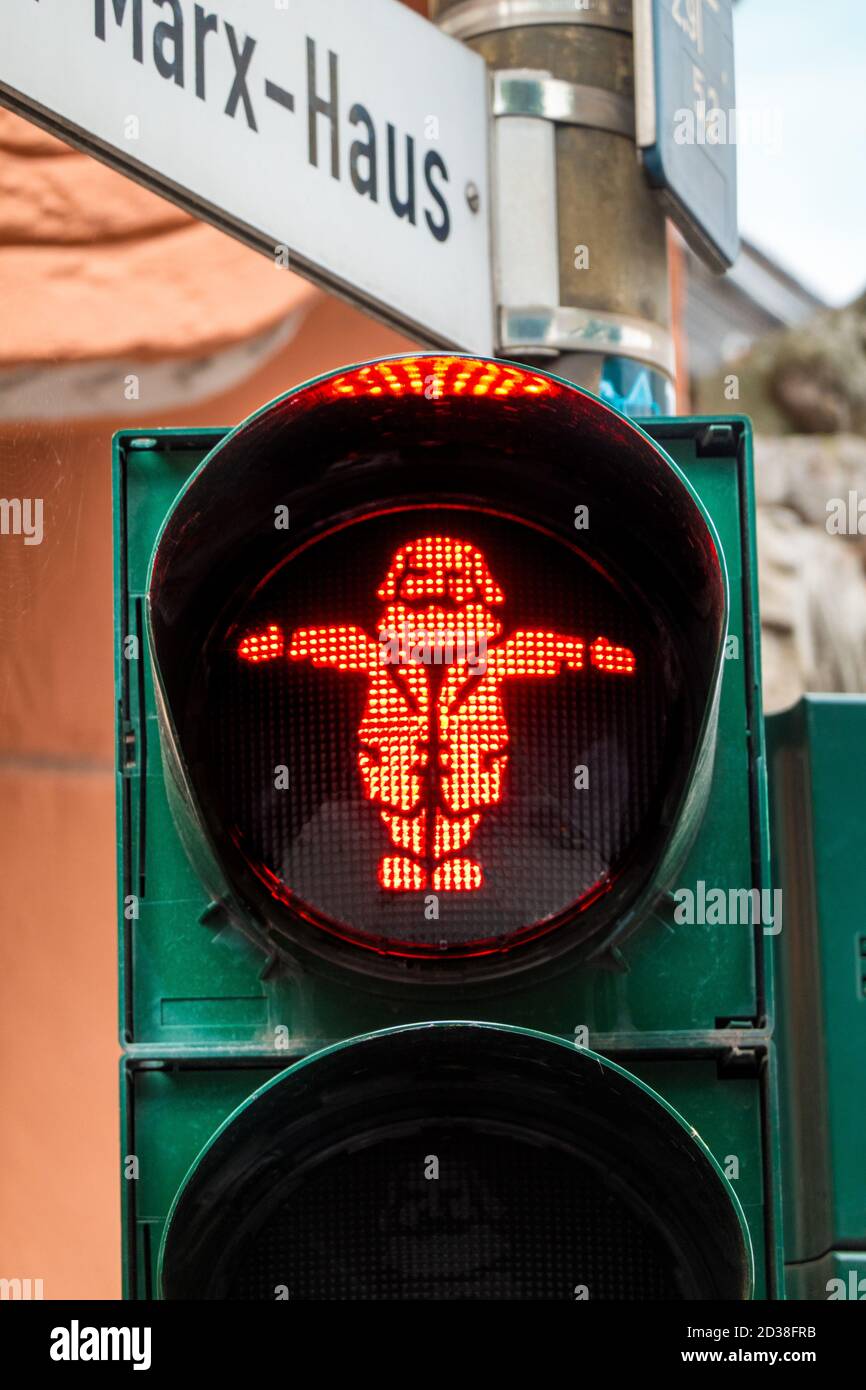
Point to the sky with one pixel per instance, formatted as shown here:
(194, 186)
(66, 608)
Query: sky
(801, 68)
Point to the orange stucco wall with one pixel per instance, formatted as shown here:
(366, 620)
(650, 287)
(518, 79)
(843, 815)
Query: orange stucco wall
(59, 1176)
(77, 250)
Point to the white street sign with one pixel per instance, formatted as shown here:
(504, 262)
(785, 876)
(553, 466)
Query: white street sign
(348, 137)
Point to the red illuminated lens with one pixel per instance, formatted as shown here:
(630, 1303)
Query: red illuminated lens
(432, 744)
(439, 377)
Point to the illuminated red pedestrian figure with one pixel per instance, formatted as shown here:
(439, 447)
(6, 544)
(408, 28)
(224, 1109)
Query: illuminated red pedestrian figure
(433, 738)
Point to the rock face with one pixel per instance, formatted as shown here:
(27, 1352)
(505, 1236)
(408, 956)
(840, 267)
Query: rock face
(817, 375)
(805, 380)
(812, 574)
(805, 391)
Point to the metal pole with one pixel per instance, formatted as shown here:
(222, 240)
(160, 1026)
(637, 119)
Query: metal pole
(611, 328)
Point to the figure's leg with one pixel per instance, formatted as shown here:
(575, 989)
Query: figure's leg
(453, 833)
(399, 874)
(404, 873)
(455, 874)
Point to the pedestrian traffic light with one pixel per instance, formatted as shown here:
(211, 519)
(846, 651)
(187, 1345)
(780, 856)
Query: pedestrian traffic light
(434, 685)
(437, 690)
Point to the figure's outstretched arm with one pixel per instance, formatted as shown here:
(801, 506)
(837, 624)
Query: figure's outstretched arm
(539, 654)
(346, 648)
(545, 653)
(265, 645)
(617, 661)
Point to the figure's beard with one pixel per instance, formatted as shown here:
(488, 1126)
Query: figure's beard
(437, 636)
(472, 620)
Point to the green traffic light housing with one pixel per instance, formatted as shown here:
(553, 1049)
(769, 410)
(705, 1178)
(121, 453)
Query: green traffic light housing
(432, 691)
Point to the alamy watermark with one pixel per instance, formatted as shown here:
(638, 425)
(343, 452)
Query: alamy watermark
(77, 1343)
(846, 516)
(729, 907)
(854, 1288)
(411, 646)
(22, 516)
(21, 1289)
(709, 124)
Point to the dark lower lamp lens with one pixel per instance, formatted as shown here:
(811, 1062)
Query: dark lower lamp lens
(456, 1161)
